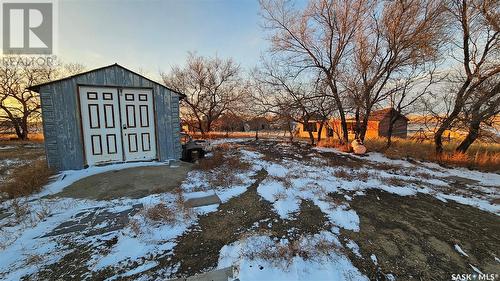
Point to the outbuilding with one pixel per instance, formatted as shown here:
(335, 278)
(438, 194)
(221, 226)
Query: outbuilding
(108, 115)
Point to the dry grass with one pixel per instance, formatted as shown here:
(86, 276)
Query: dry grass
(224, 155)
(222, 135)
(135, 226)
(334, 143)
(34, 137)
(161, 213)
(20, 208)
(282, 254)
(394, 181)
(27, 179)
(224, 158)
(363, 176)
(343, 174)
(480, 156)
(352, 175)
(34, 259)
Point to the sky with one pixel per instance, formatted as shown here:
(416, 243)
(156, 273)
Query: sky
(152, 36)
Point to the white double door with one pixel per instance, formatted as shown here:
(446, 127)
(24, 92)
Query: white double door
(118, 124)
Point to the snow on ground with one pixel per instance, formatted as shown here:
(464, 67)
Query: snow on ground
(289, 181)
(22, 240)
(251, 257)
(486, 182)
(460, 251)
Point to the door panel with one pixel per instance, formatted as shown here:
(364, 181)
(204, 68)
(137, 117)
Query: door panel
(138, 124)
(100, 123)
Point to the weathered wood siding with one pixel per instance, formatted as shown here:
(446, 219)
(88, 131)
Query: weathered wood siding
(62, 121)
(399, 129)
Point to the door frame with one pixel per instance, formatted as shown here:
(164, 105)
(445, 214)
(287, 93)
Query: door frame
(119, 89)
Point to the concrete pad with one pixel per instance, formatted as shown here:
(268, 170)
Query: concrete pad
(461, 180)
(134, 182)
(96, 221)
(216, 275)
(202, 201)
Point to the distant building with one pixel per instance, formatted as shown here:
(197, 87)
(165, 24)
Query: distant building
(314, 125)
(378, 126)
(259, 124)
(229, 122)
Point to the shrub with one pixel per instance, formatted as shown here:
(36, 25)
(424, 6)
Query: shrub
(161, 213)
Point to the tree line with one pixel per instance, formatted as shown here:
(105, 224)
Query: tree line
(19, 106)
(334, 58)
(340, 57)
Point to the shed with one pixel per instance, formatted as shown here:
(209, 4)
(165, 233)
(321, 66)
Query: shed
(382, 119)
(108, 115)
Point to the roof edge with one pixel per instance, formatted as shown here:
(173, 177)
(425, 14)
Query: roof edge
(36, 88)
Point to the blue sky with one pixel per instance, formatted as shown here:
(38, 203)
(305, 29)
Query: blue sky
(154, 35)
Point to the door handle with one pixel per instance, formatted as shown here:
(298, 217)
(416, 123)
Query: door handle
(124, 127)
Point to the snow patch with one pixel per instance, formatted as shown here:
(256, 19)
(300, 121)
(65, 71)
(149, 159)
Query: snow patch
(458, 249)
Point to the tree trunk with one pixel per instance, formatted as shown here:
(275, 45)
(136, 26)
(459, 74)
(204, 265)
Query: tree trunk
(345, 135)
(290, 130)
(363, 128)
(338, 102)
(364, 125)
(20, 128)
(319, 131)
(209, 126)
(200, 127)
(392, 121)
(356, 116)
(19, 133)
(457, 107)
(311, 137)
(470, 138)
(438, 136)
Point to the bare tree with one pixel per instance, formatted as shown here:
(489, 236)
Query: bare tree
(18, 105)
(212, 87)
(478, 42)
(279, 91)
(324, 109)
(317, 37)
(399, 37)
(482, 107)
(72, 68)
(407, 93)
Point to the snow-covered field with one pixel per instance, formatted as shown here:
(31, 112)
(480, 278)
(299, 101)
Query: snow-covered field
(86, 239)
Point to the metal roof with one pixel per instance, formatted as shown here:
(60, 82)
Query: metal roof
(36, 88)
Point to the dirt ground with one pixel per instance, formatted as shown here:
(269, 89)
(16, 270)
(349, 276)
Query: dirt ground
(413, 237)
(132, 182)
